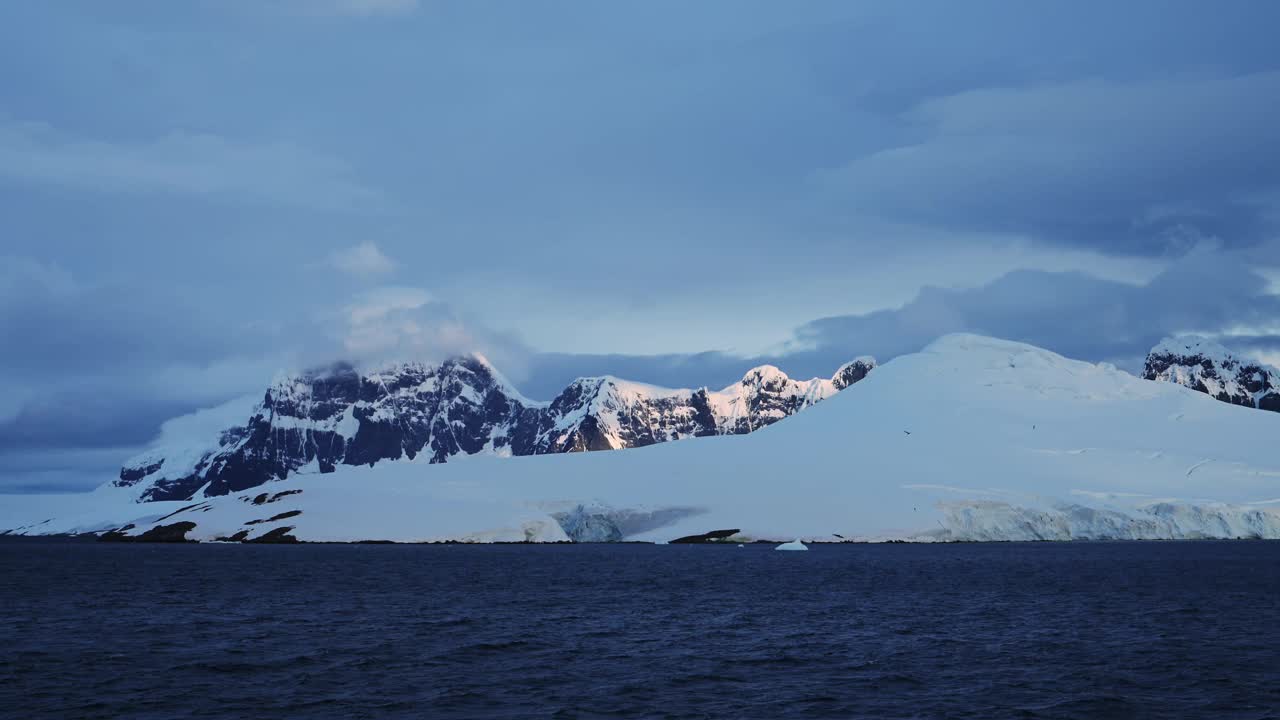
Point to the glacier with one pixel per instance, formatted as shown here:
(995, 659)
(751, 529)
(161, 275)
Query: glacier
(971, 439)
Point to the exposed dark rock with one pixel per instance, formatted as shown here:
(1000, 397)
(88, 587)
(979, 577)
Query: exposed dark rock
(175, 532)
(132, 475)
(278, 535)
(172, 533)
(852, 372)
(183, 509)
(273, 518)
(117, 535)
(264, 498)
(707, 537)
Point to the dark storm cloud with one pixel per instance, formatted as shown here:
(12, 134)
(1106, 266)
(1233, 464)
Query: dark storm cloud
(1071, 313)
(1129, 167)
(101, 366)
(104, 417)
(59, 470)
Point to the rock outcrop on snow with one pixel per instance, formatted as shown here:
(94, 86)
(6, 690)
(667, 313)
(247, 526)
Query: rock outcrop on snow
(1210, 368)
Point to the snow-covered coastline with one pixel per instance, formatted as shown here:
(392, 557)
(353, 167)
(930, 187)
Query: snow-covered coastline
(972, 439)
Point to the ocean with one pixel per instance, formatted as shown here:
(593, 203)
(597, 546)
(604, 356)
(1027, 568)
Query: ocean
(1009, 630)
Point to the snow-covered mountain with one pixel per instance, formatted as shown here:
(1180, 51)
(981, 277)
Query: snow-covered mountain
(1210, 368)
(971, 439)
(316, 422)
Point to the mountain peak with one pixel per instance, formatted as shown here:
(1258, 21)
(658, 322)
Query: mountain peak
(764, 374)
(315, 421)
(1206, 366)
(1188, 345)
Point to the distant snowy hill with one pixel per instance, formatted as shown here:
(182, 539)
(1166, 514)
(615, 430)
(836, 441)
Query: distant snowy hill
(971, 439)
(317, 422)
(1208, 367)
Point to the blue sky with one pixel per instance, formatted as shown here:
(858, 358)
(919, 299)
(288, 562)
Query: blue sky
(197, 195)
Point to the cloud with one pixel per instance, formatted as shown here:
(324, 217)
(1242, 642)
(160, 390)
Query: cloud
(101, 364)
(376, 305)
(1130, 166)
(20, 276)
(374, 7)
(54, 325)
(57, 470)
(94, 365)
(397, 324)
(1268, 357)
(198, 164)
(1070, 312)
(346, 8)
(90, 369)
(549, 373)
(363, 260)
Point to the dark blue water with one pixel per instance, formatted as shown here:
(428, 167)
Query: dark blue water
(1106, 630)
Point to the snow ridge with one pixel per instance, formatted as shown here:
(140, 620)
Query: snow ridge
(320, 420)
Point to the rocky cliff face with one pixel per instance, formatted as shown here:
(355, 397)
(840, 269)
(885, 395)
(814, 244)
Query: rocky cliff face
(314, 422)
(1210, 368)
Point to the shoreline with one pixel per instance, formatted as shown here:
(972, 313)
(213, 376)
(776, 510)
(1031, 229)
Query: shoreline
(94, 538)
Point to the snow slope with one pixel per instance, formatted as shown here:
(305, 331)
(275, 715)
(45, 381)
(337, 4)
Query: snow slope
(105, 508)
(972, 439)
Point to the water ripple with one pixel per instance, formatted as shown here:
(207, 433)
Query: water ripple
(1100, 630)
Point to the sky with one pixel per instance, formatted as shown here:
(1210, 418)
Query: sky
(198, 196)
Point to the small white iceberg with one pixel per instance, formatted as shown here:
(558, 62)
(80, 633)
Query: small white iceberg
(793, 545)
